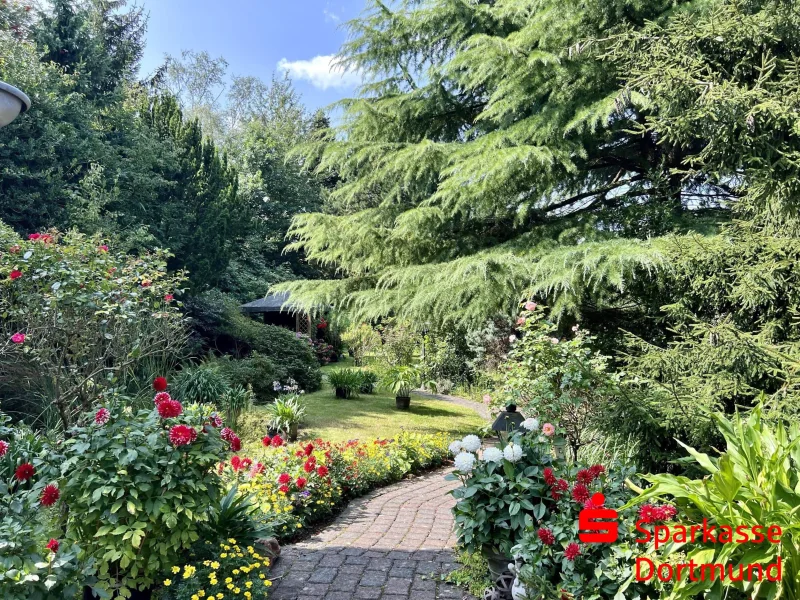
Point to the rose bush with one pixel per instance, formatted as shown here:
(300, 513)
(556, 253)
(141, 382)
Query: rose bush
(80, 319)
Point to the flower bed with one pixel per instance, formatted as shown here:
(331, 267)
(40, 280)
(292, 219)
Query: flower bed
(301, 484)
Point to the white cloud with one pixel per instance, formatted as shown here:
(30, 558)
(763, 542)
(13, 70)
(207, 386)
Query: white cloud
(321, 72)
(331, 16)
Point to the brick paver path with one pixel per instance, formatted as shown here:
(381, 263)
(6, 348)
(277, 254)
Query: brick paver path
(389, 545)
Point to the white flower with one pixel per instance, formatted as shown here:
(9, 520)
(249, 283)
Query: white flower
(276, 385)
(464, 462)
(531, 424)
(471, 443)
(492, 455)
(456, 447)
(512, 453)
(512, 338)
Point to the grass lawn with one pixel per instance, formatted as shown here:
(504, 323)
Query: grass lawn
(371, 416)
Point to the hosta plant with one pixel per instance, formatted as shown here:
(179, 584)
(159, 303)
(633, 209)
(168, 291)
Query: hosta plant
(139, 486)
(754, 481)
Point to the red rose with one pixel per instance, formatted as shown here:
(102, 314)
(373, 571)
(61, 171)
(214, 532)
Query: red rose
(159, 384)
(52, 545)
(24, 472)
(50, 495)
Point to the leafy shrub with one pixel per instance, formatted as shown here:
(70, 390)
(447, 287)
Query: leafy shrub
(324, 352)
(236, 519)
(368, 382)
(140, 488)
(218, 322)
(400, 343)
(202, 384)
(115, 315)
(401, 380)
(346, 382)
(28, 569)
(243, 565)
(362, 340)
(256, 372)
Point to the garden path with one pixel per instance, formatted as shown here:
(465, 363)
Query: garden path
(392, 544)
(479, 408)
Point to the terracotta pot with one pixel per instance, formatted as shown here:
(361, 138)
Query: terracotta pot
(402, 402)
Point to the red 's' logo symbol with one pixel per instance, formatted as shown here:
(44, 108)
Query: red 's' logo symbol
(598, 525)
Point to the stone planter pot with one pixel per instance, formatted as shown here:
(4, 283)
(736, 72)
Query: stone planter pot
(402, 402)
(498, 564)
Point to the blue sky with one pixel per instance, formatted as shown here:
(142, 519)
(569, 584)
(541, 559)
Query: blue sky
(256, 37)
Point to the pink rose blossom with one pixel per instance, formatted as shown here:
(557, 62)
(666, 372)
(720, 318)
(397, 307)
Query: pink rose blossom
(18, 338)
(530, 306)
(548, 429)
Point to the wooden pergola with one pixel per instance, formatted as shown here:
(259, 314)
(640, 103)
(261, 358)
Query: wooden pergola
(276, 309)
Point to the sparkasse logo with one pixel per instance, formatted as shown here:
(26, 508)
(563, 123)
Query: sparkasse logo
(598, 525)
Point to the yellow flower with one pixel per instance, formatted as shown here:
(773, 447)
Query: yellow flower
(231, 541)
(176, 570)
(261, 576)
(248, 595)
(195, 597)
(215, 565)
(167, 582)
(235, 571)
(220, 596)
(230, 586)
(248, 584)
(223, 555)
(267, 582)
(189, 571)
(201, 593)
(228, 579)
(236, 590)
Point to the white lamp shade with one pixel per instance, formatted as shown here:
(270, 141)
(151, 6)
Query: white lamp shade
(12, 103)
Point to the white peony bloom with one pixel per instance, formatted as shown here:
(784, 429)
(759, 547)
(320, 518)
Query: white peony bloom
(456, 447)
(512, 453)
(492, 455)
(531, 424)
(464, 462)
(471, 443)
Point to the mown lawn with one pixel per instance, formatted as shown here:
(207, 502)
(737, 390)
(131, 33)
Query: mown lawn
(371, 416)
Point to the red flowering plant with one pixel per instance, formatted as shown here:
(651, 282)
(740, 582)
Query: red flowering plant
(551, 560)
(141, 485)
(35, 562)
(109, 328)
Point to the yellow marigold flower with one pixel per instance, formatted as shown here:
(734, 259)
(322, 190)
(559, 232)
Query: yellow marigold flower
(235, 571)
(230, 586)
(236, 590)
(245, 570)
(195, 597)
(176, 570)
(215, 565)
(239, 555)
(228, 579)
(248, 584)
(248, 595)
(189, 571)
(231, 541)
(201, 593)
(261, 576)
(250, 549)
(167, 582)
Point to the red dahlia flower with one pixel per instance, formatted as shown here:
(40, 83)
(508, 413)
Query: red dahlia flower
(160, 384)
(168, 297)
(301, 482)
(34, 236)
(546, 536)
(161, 397)
(246, 463)
(236, 444)
(266, 441)
(102, 416)
(277, 441)
(227, 434)
(15, 274)
(3, 448)
(580, 493)
(585, 476)
(52, 545)
(236, 462)
(549, 477)
(322, 470)
(597, 470)
(572, 551)
(24, 472)
(169, 409)
(215, 420)
(309, 449)
(308, 467)
(284, 489)
(182, 435)
(284, 478)
(654, 513)
(50, 495)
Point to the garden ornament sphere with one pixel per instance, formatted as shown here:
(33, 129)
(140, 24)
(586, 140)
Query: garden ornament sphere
(12, 103)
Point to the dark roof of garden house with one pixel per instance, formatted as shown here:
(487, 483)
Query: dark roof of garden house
(272, 303)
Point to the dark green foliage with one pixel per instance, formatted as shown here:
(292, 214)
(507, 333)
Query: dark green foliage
(345, 382)
(256, 371)
(368, 382)
(201, 385)
(221, 328)
(237, 518)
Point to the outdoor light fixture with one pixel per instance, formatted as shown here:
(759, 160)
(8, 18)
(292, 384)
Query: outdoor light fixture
(508, 420)
(12, 103)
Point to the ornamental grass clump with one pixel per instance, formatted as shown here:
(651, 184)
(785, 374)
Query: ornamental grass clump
(140, 485)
